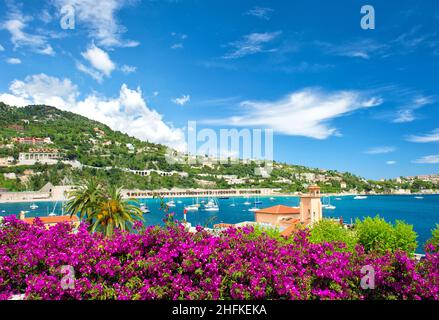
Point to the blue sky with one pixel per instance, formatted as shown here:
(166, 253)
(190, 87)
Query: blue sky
(336, 96)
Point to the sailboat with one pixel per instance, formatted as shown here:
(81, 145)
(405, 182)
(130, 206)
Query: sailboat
(233, 203)
(171, 203)
(33, 206)
(324, 205)
(144, 208)
(272, 199)
(52, 214)
(257, 200)
(211, 205)
(329, 206)
(247, 203)
(193, 207)
(255, 208)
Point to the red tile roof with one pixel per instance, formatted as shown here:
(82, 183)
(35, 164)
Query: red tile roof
(280, 209)
(291, 229)
(54, 219)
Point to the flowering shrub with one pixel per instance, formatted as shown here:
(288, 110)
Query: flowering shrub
(171, 263)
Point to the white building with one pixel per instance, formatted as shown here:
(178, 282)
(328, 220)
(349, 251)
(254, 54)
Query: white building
(49, 156)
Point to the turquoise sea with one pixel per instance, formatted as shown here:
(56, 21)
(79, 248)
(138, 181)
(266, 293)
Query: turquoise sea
(423, 214)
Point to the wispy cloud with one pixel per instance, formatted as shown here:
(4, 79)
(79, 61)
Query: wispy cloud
(16, 23)
(307, 112)
(128, 69)
(184, 99)
(13, 61)
(180, 38)
(260, 12)
(429, 137)
(402, 44)
(99, 18)
(2, 48)
(407, 113)
(363, 49)
(251, 44)
(391, 162)
(380, 150)
(431, 159)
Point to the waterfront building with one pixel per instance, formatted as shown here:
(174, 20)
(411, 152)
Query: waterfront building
(284, 217)
(39, 155)
(6, 161)
(32, 140)
(51, 221)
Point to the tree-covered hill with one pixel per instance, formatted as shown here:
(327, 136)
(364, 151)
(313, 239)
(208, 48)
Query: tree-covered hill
(108, 154)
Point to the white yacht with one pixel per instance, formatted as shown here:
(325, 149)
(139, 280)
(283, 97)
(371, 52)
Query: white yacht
(360, 197)
(253, 209)
(193, 207)
(52, 214)
(33, 206)
(170, 203)
(211, 205)
(419, 197)
(144, 208)
(247, 203)
(329, 206)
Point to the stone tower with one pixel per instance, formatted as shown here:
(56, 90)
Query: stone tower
(311, 206)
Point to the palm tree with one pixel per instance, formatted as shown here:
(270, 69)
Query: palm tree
(116, 213)
(85, 200)
(105, 210)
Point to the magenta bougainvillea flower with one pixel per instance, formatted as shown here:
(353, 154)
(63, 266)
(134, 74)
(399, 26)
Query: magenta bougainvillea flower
(171, 263)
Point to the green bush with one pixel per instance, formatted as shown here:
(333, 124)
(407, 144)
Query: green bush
(434, 240)
(375, 234)
(330, 231)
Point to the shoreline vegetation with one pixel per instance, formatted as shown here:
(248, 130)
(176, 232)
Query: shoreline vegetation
(62, 198)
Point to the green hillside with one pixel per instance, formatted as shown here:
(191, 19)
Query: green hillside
(106, 153)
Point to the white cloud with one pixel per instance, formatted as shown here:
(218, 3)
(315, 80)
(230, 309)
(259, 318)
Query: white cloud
(90, 71)
(251, 44)
(16, 24)
(128, 69)
(380, 150)
(99, 59)
(307, 112)
(2, 48)
(407, 113)
(177, 46)
(155, 93)
(363, 49)
(127, 112)
(431, 159)
(260, 12)
(182, 100)
(99, 17)
(430, 137)
(13, 61)
(391, 162)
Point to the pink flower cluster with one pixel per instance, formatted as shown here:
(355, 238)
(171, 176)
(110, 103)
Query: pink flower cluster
(171, 263)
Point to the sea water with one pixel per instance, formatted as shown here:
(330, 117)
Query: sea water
(423, 214)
